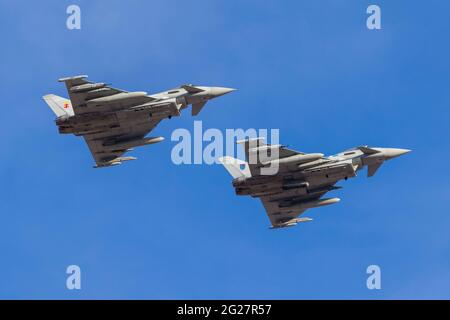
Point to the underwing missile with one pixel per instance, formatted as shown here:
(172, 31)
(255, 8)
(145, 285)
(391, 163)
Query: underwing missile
(122, 159)
(291, 223)
(87, 87)
(296, 159)
(117, 161)
(118, 97)
(295, 185)
(264, 148)
(311, 204)
(133, 143)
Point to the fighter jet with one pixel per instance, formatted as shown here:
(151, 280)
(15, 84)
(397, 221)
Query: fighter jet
(113, 121)
(289, 182)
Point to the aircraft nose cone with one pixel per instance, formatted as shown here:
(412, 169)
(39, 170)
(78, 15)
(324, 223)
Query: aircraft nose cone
(220, 91)
(390, 153)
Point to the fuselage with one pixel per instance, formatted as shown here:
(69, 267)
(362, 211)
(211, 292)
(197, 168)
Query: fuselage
(106, 113)
(294, 179)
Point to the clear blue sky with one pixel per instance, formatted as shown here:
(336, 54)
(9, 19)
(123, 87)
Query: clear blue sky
(150, 229)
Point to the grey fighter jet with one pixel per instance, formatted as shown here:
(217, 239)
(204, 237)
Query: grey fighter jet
(113, 121)
(289, 182)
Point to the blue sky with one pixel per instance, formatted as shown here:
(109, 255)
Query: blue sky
(150, 229)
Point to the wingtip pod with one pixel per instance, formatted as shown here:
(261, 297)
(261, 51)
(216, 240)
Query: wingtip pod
(98, 166)
(250, 140)
(64, 79)
(291, 223)
(115, 162)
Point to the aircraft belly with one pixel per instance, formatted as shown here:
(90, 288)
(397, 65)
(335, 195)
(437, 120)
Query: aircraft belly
(82, 125)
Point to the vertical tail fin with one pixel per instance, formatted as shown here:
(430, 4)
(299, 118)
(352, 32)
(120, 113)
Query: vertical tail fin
(237, 168)
(59, 105)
